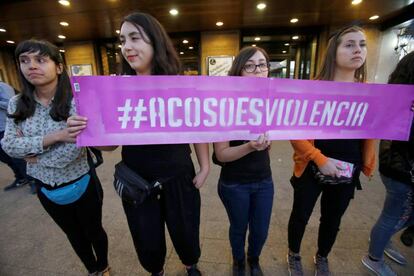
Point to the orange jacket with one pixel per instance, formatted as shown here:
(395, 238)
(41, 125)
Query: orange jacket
(305, 151)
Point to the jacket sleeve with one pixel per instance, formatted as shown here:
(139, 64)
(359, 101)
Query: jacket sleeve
(4, 99)
(368, 157)
(4, 102)
(306, 151)
(19, 147)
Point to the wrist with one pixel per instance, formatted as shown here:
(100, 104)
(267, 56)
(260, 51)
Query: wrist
(205, 168)
(52, 138)
(57, 137)
(321, 160)
(250, 147)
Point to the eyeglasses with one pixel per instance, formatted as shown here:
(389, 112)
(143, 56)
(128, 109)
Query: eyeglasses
(250, 68)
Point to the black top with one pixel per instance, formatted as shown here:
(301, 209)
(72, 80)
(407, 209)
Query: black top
(396, 158)
(349, 150)
(152, 162)
(252, 167)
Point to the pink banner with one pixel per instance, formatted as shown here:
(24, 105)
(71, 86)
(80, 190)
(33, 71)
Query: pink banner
(132, 110)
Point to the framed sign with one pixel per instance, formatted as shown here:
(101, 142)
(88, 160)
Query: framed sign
(81, 70)
(219, 65)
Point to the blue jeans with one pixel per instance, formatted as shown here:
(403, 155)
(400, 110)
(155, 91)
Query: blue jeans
(17, 165)
(248, 205)
(397, 213)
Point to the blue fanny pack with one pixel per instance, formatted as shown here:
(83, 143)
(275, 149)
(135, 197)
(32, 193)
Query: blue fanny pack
(68, 194)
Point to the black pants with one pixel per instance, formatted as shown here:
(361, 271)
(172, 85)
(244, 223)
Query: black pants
(177, 206)
(334, 202)
(82, 223)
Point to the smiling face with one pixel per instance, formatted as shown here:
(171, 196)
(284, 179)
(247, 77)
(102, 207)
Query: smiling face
(352, 51)
(136, 48)
(39, 70)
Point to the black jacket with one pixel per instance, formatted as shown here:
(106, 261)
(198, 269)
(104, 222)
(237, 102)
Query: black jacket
(396, 158)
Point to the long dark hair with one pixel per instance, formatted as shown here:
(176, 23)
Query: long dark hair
(242, 57)
(329, 63)
(26, 103)
(165, 60)
(404, 72)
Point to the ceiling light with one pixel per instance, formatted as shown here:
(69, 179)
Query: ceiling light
(119, 46)
(185, 41)
(284, 52)
(253, 45)
(2, 30)
(356, 2)
(261, 6)
(62, 50)
(286, 44)
(219, 23)
(191, 47)
(294, 20)
(10, 41)
(257, 38)
(118, 31)
(295, 37)
(64, 2)
(173, 12)
(374, 17)
(63, 23)
(61, 36)
(181, 53)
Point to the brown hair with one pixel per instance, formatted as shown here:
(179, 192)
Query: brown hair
(26, 104)
(404, 72)
(327, 70)
(165, 60)
(242, 57)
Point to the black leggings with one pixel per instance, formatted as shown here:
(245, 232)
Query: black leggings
(82, 223)
(178, 206)
(334, 202)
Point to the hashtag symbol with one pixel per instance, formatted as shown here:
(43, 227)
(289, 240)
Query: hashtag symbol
(125, 118)
(138, 113)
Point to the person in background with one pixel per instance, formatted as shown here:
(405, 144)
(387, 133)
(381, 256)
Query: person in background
(17, 165)
(396, 166)
(407, 237)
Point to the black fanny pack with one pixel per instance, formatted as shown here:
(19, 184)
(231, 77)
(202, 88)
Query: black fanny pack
(131, 187)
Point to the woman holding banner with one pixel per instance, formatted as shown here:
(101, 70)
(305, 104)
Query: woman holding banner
(36, 131)
(396, 165)
(329, 167)
(245, 186)
(147, 50)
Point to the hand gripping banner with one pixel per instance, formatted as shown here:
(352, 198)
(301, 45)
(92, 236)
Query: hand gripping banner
(133, 110)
